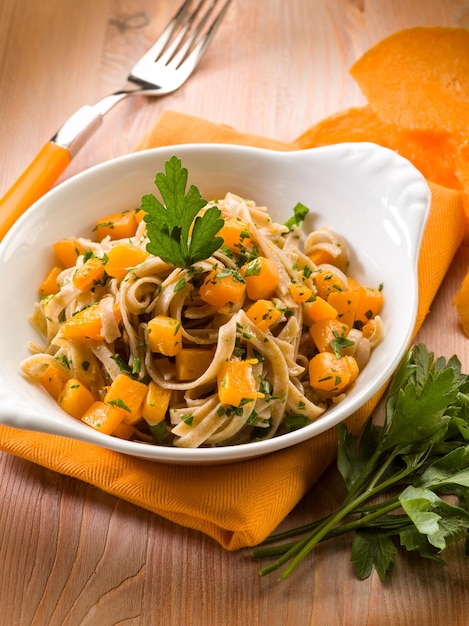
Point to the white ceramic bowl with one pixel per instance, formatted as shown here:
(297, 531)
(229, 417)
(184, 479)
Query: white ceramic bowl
(377, 200)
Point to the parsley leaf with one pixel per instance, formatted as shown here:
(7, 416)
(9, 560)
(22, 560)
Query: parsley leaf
(372, 548)
(339, 343)
(178, 234)
(300, 211)
(399, 475)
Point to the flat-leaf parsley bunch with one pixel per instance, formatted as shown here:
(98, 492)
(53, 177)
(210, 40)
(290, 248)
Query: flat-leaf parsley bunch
(407, 480)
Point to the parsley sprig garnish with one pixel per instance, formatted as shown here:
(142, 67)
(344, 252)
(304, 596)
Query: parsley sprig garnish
(400, 474)
(176, 231)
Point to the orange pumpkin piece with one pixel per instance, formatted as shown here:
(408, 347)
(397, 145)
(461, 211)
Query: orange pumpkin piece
(49, 285)
(262, 278)
(68, 251)
(127, 395)
(330, 375)
(53, 380)
(432, 152)
(263, 313)
(418, 104)
(236, 384)
(121, 225)
(86, 324)
(370, 303)
(191, 363)
(318, 309)
(353, 124)
(222, 287)
(165, 335)
(139, 215)
(325, 332)
(75, 398)
(124, 431)
(346, 304)
(103, 417)
(300, 293)
(318, 257)
(327, 281)
(122, 257)
(235, 234)
(156, 403)
(418, 78)
(88, 274)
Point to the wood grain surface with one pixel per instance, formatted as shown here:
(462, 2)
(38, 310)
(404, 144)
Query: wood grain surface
(71, 555)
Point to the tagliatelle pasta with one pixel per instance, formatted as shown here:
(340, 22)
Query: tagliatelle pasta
(224, 352)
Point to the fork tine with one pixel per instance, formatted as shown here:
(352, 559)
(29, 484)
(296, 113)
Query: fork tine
(193, 58)
(186, 46)
(168, 53)
(161, 42)
(176, 53)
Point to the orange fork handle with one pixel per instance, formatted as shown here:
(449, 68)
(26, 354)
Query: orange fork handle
(34, 182)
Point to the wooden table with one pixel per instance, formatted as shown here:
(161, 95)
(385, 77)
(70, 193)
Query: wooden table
(71, 555)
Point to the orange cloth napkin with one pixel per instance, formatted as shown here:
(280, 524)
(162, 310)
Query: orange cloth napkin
(237, 504)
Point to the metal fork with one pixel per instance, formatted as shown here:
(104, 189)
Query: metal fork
(164, 68)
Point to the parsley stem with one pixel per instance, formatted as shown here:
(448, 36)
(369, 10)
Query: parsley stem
(364, 476)
(362, 522)
(312, 540)
(382, 470)
(298, 550)
(369, 515)
(299, 530)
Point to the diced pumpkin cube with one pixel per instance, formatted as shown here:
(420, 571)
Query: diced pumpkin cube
(124, 431)
(325, 332)
(139, 215)
(236, 384)
(299, 292)
(123, 257)
(49, 285)
(121, 225)
(156, 403)
(319, 257)
(370, 303)
(191, 363)
(164, 335)
(128, 396)
(88, 274)
(53, 380)
(345, 303)
(263, 314)
(262, 278)
(318, 309)
(75, 398)
(68, 251)
(328, 281)
(103, 417)
(235, 234)
(331, 375)
(222, 288)
(86, 324)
